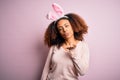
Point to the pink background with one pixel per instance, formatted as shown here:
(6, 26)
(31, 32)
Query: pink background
(22, 26)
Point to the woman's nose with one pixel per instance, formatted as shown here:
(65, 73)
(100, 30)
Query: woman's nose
(64, 29)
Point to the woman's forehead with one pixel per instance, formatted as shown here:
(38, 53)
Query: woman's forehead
(63, 22)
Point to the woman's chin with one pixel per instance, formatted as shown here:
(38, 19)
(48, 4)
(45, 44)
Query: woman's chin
(67, 37)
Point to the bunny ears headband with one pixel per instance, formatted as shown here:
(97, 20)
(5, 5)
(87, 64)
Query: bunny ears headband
(59, 13)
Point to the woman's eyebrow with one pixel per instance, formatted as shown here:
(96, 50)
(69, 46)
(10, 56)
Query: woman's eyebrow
(63, 25)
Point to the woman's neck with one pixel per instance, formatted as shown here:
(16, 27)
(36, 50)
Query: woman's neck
(71, 41)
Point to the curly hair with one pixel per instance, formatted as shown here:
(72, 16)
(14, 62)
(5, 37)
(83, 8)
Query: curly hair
(53, 37)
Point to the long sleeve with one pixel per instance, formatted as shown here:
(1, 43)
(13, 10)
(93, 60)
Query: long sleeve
(47, 65)
(80, 58)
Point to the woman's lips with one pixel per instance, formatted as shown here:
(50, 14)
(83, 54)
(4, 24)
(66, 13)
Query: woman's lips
(66, 34)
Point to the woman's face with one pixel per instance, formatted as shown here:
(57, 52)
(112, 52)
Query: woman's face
(65, 29)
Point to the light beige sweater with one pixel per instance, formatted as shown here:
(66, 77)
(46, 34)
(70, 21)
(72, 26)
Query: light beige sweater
(64, 65)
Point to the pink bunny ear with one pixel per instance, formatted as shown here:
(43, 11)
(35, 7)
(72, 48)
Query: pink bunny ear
(51, 16)
(58, 9)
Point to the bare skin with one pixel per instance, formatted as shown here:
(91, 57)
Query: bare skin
(66, 31)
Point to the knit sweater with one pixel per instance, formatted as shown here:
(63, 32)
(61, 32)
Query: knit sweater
(66, 65)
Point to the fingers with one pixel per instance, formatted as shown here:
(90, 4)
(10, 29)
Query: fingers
(72, 46)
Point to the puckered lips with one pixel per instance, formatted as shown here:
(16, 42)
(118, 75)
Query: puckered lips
(66, 34)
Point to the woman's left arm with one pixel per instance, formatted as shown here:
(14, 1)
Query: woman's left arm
(80, 58)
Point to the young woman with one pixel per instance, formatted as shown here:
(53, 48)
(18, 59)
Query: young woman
(68, 57)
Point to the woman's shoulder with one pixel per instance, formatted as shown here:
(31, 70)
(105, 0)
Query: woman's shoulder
(54, 47)
(82, 43)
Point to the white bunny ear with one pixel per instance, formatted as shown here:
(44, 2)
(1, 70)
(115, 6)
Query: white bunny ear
(51, 16)
(58, 9)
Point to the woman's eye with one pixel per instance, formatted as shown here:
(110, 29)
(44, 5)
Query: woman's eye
(66, 26)
(60, 29)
